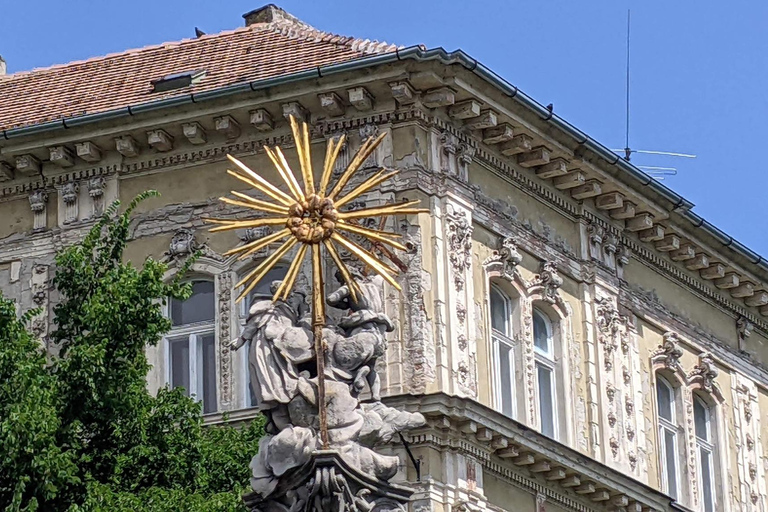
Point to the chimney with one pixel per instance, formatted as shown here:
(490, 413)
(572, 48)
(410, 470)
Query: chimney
(268, 14)
(3, 66)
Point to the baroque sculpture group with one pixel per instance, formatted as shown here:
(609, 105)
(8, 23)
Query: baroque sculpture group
(282, 363)
(308, 374)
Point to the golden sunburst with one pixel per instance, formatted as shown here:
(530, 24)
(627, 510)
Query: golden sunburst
(309, 215)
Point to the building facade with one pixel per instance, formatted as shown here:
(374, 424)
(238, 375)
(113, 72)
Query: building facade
(576, 336)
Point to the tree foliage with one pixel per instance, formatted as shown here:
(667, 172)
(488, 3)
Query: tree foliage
(79, 430)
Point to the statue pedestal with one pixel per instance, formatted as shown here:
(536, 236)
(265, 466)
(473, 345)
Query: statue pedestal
(327, 483)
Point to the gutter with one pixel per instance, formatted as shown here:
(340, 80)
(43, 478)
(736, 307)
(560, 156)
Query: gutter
(417, 53)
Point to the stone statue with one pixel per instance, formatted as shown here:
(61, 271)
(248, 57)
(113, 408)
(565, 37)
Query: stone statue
(282, 365)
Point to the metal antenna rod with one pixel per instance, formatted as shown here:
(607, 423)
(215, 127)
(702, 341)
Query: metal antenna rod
(627, 150)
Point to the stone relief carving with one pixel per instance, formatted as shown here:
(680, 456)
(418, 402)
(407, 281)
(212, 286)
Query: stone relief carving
(37, 202)
(225, 356)
(550, 280)
(461, 312)
(611, 244)
(38, 199)
(182, 244)
(704, 373)
(506, 255)
(668, 353)
(96, 186)
(417, 333)
(608, 325)
(69, 194)
(455, 156)
(282, 365)
(39, 290)
(744, 329)
(459, 245)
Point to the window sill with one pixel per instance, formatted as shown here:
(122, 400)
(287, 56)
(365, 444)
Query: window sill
(233, 417)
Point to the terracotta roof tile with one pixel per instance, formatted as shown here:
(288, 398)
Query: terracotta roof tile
(259, 51)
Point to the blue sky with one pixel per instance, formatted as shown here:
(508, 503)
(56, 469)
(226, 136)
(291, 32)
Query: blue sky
(699, 69)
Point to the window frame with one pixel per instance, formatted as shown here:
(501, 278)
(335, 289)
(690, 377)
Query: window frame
(708, 445)
(193, 333)
(664, 425)
(545, 360)
(499, 338)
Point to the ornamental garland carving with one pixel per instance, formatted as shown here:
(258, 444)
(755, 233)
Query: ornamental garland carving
(608, 324)
(459, 246)
(225, 355)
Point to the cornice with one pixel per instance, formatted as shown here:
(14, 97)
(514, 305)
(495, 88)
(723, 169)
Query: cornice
(503, 446)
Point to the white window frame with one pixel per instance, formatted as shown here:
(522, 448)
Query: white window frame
(663, 427)
(194, 334)
(499, 338)
(546, 360)
(708, 446)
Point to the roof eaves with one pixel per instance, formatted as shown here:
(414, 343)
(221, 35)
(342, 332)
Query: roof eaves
(678, 203)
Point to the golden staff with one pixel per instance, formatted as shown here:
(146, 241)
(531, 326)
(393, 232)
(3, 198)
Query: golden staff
(311, 220)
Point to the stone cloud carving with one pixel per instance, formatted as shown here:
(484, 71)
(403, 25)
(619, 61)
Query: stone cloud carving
(282, 366)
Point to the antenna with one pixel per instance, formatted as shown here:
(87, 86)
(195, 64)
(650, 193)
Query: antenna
(654, 171)
(627, 151)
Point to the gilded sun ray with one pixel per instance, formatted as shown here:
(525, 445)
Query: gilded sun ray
(310, 216)
(310, 219)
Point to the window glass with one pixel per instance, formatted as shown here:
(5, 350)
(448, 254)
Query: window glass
(499, 311)
(664, 399)
(671, 454)
(706, 480)
(505, 375)
(208, 365)
(179, 355)
(700, 419)
(540, 332)
(546, 400)
(199, 307)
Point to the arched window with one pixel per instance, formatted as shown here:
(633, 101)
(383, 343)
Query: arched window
(668, 448)
(262, 291)
(191, 344)
(544, 353)
(503, 354)
(705, 451)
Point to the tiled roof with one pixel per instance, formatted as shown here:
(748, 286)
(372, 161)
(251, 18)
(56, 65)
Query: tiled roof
(258, 51)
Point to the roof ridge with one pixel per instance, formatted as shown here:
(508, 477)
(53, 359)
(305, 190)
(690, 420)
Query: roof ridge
(295, 29)
(303, 31)
(166, 44)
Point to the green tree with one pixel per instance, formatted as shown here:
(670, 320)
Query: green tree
(34, 468)
(113, 445)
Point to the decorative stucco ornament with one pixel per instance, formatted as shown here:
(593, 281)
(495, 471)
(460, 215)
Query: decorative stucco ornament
(307, 376)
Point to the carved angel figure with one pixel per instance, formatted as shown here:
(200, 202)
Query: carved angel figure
(281, 344)
(353, 357)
